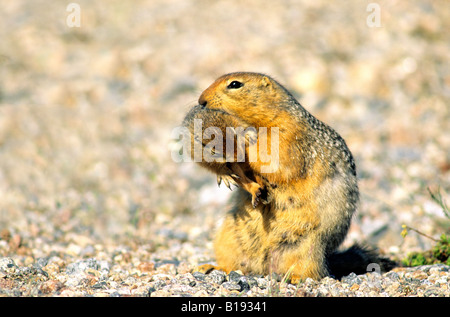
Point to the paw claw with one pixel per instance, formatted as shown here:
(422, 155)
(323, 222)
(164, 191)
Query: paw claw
(227, 180)
(256, 198)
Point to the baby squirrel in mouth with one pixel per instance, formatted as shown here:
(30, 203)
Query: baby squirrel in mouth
(293, 204)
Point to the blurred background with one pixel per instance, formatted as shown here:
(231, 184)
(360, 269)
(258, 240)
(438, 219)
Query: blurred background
(86, 113)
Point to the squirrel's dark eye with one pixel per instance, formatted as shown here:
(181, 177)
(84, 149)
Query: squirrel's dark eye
(235, 85)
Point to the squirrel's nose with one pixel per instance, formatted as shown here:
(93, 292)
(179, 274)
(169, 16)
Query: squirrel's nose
(202, 101)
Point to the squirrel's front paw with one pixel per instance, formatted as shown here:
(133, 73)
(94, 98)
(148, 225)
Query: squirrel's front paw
(261, 195)
(256, 198)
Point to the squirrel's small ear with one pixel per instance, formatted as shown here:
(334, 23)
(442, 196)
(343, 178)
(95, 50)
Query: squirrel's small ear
(266, 81)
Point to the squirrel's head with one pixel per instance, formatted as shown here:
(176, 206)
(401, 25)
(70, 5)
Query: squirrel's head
(253, 97)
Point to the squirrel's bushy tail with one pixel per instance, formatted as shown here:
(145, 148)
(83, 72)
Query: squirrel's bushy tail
(358, 259)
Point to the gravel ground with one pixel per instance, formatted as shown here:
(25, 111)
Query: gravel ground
(126, 275)
(92, 203)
